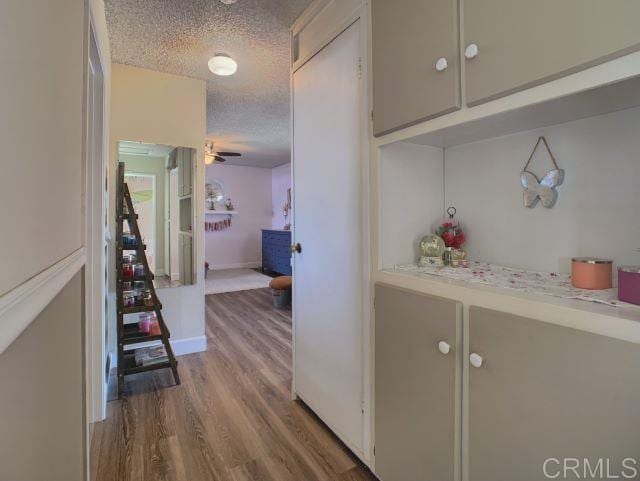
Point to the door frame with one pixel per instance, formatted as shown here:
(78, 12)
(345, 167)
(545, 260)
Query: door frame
(95, 232)
(333, 27)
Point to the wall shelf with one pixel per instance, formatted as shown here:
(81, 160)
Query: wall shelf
(221, 212)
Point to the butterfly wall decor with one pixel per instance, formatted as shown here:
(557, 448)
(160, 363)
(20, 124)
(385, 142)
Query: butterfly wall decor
(545, 189)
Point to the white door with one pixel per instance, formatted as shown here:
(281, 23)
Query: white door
(329, 271)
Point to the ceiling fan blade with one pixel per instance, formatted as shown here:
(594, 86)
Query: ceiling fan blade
(229, 154)
(219, 159)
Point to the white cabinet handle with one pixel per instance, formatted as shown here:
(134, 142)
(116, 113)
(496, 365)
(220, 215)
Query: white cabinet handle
(471, 51)
(441, 64)
(444, 347)
(475, 360)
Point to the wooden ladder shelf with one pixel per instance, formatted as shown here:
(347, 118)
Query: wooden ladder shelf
(130, 334)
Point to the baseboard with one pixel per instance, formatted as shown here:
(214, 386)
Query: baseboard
(239, 265)
(181, 347)
(190, 345)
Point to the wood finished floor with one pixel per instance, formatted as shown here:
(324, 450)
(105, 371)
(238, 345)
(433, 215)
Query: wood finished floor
(231, 419)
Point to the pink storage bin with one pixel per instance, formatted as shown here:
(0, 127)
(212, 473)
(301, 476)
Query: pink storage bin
(629, 284)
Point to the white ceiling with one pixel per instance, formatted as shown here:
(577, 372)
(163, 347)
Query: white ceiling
(247, 112)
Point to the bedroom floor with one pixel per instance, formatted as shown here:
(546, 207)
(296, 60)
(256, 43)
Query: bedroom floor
(232, 417)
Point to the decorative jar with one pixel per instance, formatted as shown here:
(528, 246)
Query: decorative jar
(629, 284)
(591, 273)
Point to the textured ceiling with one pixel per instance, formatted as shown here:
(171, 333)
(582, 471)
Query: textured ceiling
(247, 112)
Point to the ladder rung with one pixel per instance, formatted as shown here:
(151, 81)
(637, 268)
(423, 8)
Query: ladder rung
(136, 247)
(135, 278)
(136, 309)
(151, 367)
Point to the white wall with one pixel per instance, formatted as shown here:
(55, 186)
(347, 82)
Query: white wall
(280, 182)
(158, 108)
(250, 191)
(411, 199)
(597, 209)
(41, 133)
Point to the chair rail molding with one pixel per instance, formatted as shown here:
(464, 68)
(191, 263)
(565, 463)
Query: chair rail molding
(20, 306)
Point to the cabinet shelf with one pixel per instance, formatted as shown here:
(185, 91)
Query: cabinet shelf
(132, 335)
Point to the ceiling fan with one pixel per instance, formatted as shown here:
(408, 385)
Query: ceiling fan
(211, 155)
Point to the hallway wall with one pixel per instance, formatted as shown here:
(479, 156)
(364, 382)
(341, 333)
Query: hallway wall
(158, 108)
(41, 399)
(42, 125)
(250, 191)
(41, 134)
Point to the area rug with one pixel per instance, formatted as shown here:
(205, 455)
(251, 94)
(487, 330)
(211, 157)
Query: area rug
(232, 280)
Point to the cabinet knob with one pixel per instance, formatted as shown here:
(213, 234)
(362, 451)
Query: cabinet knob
(475, 360)
(441, 64)
(444, 347)
(471, 51)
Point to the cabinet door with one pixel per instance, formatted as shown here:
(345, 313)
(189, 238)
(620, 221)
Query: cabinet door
(522, 42)
(415, 386)
(548, 392)
(409, 36)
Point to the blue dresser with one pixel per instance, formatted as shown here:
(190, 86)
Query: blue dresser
(276, 251)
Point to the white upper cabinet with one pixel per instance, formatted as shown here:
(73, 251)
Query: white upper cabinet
(416, 74)
(424, 67)
(520, 43)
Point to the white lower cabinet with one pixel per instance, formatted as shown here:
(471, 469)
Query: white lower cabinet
(416, 362)
(550, 398)
(539, 401)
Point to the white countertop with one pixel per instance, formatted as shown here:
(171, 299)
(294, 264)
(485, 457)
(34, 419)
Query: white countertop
(617, 322)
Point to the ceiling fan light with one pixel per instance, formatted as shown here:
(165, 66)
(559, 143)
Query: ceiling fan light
(221, 64)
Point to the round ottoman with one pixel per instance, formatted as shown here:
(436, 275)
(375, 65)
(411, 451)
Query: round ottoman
(281, 291)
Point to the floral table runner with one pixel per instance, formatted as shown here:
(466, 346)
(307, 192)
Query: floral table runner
(548, 283)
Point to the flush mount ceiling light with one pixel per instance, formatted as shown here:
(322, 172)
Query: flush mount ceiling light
(228, 2)
(222, 64)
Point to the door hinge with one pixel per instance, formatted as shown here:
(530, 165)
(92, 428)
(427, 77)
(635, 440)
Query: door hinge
(374, 303)
(372, 116)
(360, 68)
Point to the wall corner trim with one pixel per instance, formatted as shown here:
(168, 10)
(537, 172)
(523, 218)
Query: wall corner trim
(20, 306)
